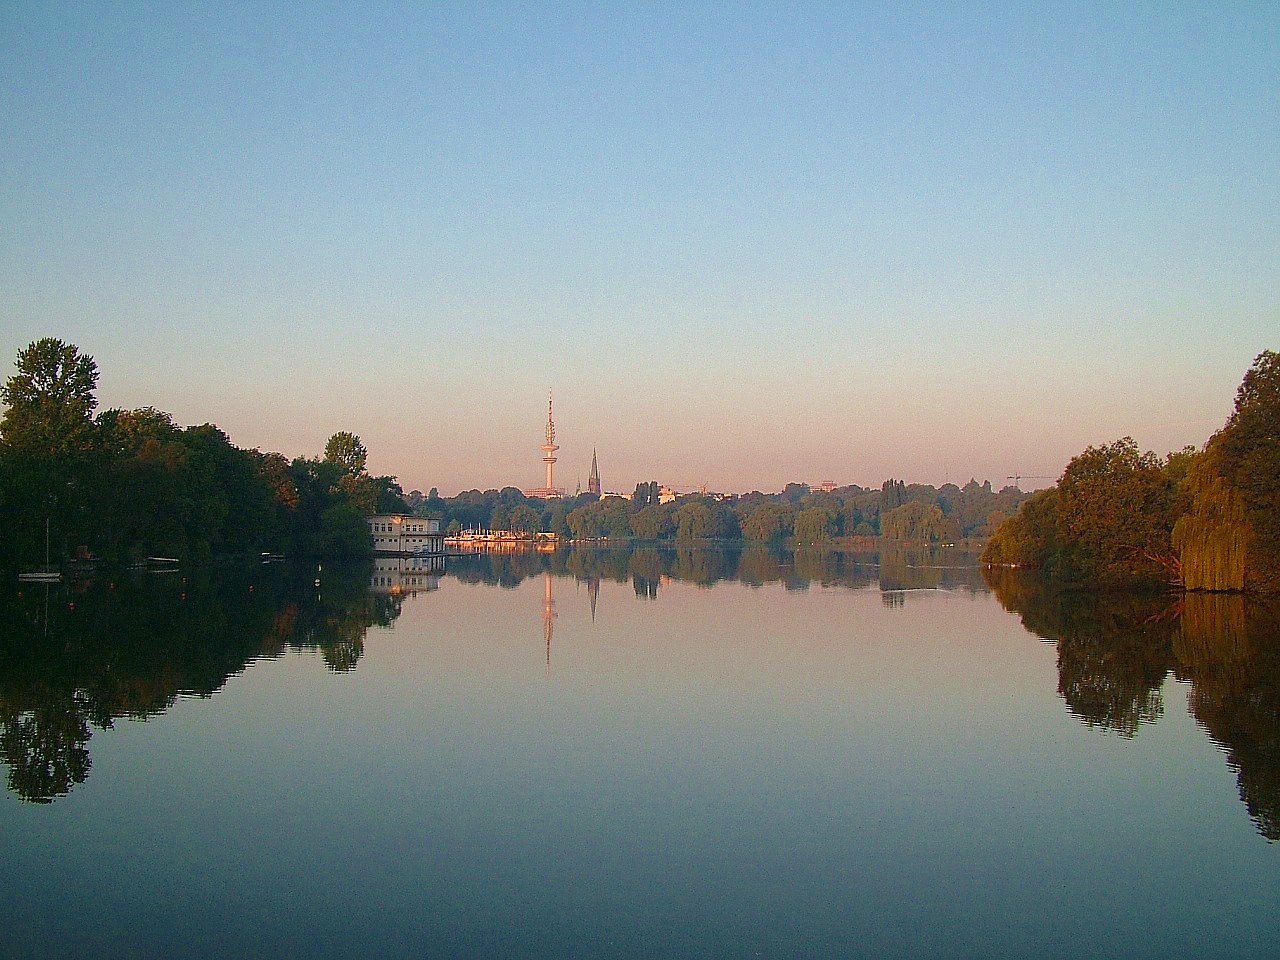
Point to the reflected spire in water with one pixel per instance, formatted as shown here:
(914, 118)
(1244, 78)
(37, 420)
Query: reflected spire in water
(548, 615)
(593, 594)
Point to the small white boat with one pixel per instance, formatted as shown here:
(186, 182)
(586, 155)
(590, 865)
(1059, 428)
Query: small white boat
(41, 576)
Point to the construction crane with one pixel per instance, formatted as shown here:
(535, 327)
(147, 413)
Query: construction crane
(1027, 476)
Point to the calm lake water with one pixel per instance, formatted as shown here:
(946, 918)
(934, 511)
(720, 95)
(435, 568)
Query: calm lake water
(595, 753)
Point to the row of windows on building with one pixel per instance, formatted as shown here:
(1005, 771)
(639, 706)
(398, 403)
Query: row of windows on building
(402, 528)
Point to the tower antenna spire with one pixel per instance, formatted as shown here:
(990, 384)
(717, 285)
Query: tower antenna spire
(549, 448)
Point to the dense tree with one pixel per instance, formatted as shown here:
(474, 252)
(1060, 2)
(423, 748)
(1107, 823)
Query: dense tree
(794, 492)
(652, 522)
(813, 525)
(892, 494)
(1030, 538)
(768, 521)
(524, 519)
(1212, 537)
(1230, 537)
(914, 520)
(556, 520)
(1116, 515)
(1250, 452)
(346, 450)
(499, 518)
(50, 400)
(646, 495)
(695, 521)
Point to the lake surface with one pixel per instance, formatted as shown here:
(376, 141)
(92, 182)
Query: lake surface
(611, 753)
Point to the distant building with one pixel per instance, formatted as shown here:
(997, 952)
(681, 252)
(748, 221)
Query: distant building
(395, 534)
(666, 495)
(827, 486)
(593, 481)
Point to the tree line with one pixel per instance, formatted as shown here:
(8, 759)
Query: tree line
(1197, 519)
(918, 513)
(120, 485)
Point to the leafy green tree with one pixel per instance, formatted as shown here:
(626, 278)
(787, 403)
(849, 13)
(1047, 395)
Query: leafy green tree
(794, 492)
(1250, 445)
(500, 518)
(390, 496)
(274, 470)
(914, 520)
(1212, 538)
(557, 522)
(766, 523)
(646, 495)
(1230, 537)
(524, 519)
(694, 521)
(813, 525)
(346, 450)
(1116, 516)
(1030, 537)
(586, 522)
(617, 518)
(50, 400)
(652, 522)
(892, 494)
(325, 523)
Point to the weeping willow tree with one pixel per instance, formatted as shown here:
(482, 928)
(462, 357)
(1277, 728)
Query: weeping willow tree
(1230, 537)
(1212, 538)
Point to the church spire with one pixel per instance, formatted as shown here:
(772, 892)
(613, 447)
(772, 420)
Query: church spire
(593, 481)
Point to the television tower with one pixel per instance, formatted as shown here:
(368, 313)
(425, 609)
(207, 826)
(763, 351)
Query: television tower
(549, 448)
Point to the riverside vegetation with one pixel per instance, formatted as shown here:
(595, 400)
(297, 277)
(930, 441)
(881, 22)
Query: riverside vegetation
(1205, 519)
(126, 484)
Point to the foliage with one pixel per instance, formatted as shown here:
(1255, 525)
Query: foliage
(1030, 537)
(814, 525)
(1212, 538)
(767, 522)
(695, 521)
(914, 520)
(128, 484)
(1115, 514)
(1248, 450)
(652, 522)
(50, 401)
(524, 519)
(1205, 520)
(346, 450)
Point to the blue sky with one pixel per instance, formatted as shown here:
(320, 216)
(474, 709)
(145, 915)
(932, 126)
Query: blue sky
(744, 243)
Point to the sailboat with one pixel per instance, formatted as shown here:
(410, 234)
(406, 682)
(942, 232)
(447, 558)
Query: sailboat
(47, 574)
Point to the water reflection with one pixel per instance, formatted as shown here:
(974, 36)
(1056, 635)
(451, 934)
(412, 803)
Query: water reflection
(82, 656)
(75, 658)
(1115, 652)
(894, 570)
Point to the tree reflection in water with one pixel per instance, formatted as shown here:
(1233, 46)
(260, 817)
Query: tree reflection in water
(75, 658)
(84, 656)
(1115, 651)
(647, 567)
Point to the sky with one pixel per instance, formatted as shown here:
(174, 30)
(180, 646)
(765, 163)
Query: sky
(745, 244)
